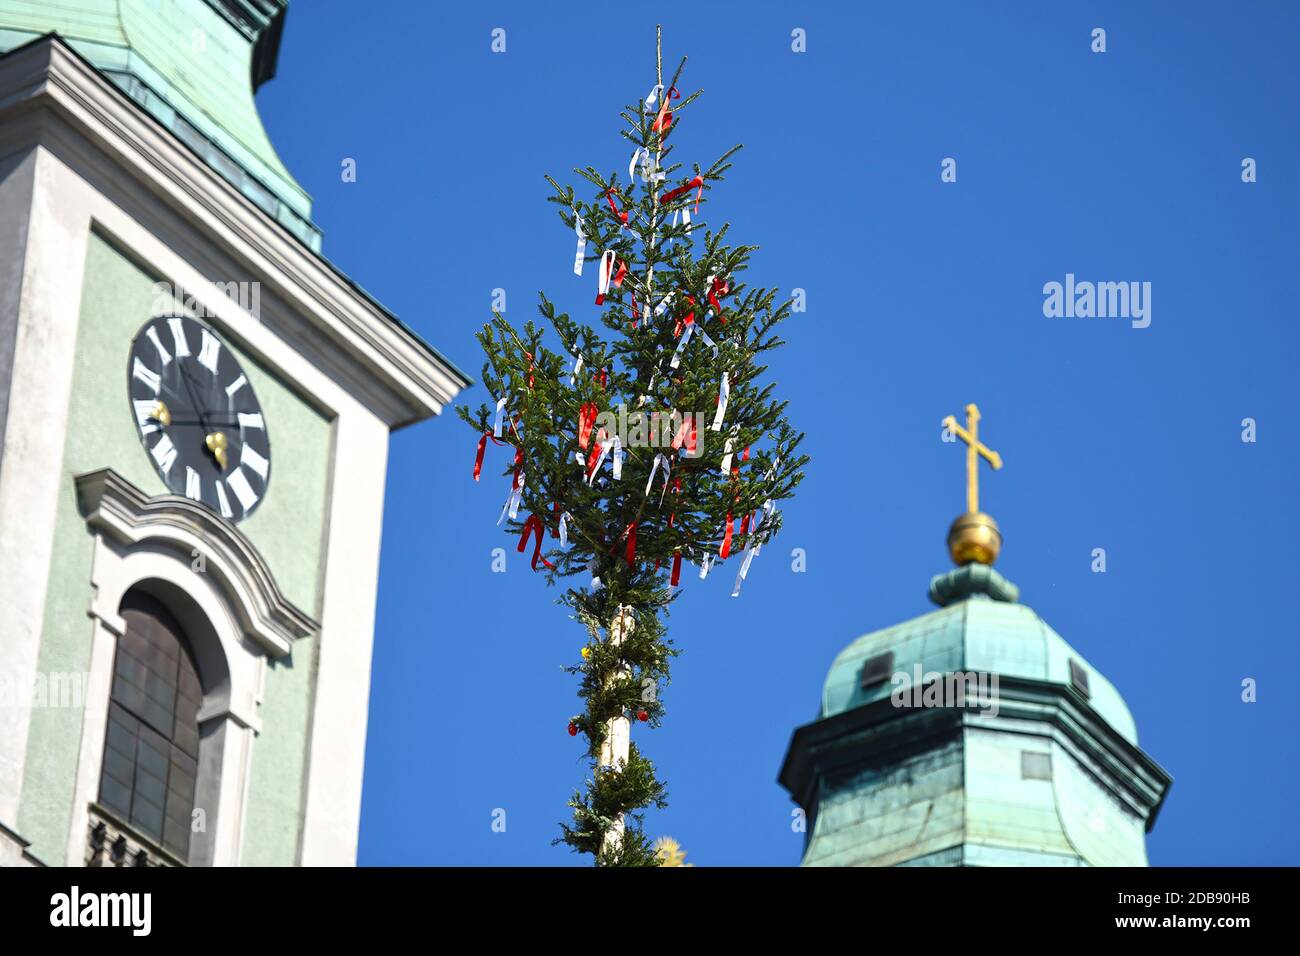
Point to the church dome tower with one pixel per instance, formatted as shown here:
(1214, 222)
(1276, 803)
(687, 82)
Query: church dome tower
(974, 735)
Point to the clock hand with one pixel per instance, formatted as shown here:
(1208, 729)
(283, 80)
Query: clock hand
(215, 441)
(193, 401)
(226, 422)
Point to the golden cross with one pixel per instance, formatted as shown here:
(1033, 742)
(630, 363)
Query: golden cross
(974, 449)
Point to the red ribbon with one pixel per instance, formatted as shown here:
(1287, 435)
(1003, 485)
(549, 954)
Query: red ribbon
(609, 198)
(531, 526)
(719, 288)
(689, 320)
(726, 540)
(630, 554)
(677, 569)
(482, 446)
(735, 469)
(664, 121)
(672, 194)
(586, 420)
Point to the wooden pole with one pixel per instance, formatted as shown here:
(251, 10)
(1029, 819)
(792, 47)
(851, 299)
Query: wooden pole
(616, 747)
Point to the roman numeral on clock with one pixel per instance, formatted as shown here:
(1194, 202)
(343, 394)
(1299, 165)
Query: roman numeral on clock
(253, 461)
(152, 335)
(193, 484)
(242, 489)
(210, 352)
(143, 373)
(164, 453)
(178, 336)
(222, 501)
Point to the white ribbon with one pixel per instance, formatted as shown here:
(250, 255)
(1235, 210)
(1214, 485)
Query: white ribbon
(511, 506)
(564, 529)
(642, 154)
(501, 410)
(752, 551)
(581, 254)
(653, 96)
(662, 307)
(705, 563)
(724, 393)
(649, 388)
(692, 329)
(606, 270)
(577, 366)
(617, 452)
(648, 175)
(686, 218)
(660, 459)
(681, 345)
(726, 450)
(708, 341)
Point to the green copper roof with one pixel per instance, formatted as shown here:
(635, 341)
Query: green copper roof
(194, 66)
(980, 629)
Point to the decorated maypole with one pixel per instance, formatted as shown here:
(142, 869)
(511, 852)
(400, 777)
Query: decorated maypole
(652, 446)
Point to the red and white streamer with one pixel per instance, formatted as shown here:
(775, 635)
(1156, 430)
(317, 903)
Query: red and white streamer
(608, 274)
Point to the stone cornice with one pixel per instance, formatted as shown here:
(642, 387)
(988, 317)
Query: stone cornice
(879, 730)
(118, 509)
(372, 355)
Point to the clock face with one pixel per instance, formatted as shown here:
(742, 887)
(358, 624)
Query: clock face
(198, 417)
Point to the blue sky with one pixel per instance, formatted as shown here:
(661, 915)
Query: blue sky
(922, 296)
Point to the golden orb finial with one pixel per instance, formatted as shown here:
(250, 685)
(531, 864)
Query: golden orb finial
(974, 536)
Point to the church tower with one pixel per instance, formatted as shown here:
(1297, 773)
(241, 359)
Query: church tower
(195, 408)
(974, 735)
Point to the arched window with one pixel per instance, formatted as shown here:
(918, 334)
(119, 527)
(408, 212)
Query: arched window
(152, 745)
